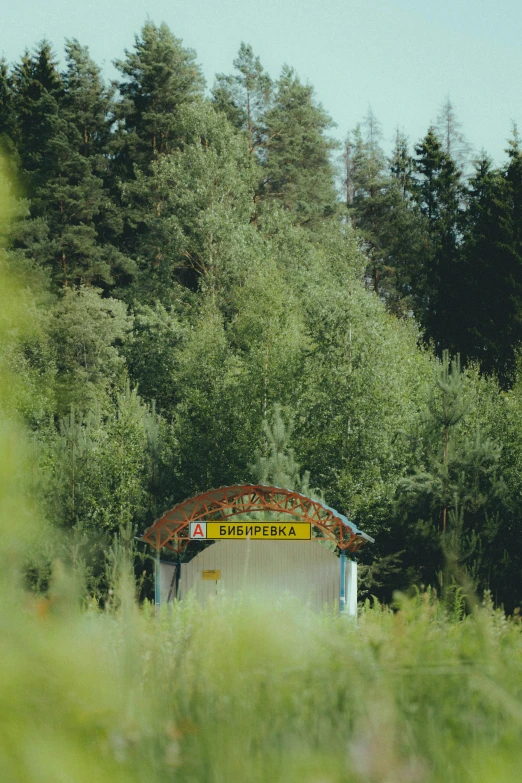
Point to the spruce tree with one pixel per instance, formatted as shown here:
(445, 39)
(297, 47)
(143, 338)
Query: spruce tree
(402, 166)
(383, 212)
(493, 259)
(440, 196)
(89, 111)
(6, 108)
(63, 161)
(37, 98)
(483, 293)
(88, 102)
(371, 198)
(511, 243)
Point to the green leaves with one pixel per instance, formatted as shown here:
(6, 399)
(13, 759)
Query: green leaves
(194, 206)
(86, 330)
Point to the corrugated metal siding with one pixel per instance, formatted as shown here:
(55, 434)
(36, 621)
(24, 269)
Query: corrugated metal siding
(304, 569)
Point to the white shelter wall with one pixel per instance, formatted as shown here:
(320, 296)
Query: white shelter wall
(268, 569)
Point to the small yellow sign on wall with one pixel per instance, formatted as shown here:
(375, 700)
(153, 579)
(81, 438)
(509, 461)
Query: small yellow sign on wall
(212, 576)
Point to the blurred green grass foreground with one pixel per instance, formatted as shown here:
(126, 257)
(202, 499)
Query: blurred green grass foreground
(237, 690)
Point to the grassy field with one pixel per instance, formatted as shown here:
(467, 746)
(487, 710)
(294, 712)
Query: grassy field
(238, 691)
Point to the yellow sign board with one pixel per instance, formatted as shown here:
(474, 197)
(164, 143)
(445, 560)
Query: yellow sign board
(211, 575)
(266, 530)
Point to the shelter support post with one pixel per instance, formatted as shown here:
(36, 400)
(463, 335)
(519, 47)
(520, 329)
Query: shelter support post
(351, 588)
(178, 574)
(342, 594)
(157, 576)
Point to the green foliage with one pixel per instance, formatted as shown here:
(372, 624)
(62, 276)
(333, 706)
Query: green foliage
(37, 93)
(189, 211)
(213, 421)
(151, 352)
(245, 692)
(363, 379)
(6, 109)
(490, 332)
(159, 76)
(278, 466)
(105, 481)
(63, 127)
(245, 97)
(297, 167)
(454, 494)
(381, 209)
(439, 193)
(86, 330)
(224, 339)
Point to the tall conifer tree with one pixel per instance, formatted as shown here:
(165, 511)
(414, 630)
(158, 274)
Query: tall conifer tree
(37, 97)
(159, 76)
(298, 170)
(440, 195)
(245, 96)
(382, 210)
(492, 300)
(452, 139)
(63, 127)
(6, 105)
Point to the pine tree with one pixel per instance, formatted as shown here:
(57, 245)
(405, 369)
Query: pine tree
(298, 170)
(277, 466)
(453, 496)
(159, 77)
(245, 96)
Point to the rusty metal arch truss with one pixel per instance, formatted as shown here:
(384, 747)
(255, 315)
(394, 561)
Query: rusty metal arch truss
(172, 528)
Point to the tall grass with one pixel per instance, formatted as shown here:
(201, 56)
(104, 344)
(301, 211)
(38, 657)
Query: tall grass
(237, 691)
(240, 691)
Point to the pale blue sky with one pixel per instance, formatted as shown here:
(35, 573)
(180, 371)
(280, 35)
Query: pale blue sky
(401, 56)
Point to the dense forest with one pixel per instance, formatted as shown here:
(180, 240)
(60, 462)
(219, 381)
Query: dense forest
(216, 292)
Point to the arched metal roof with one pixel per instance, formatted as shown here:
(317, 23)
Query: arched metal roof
(172, 528)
